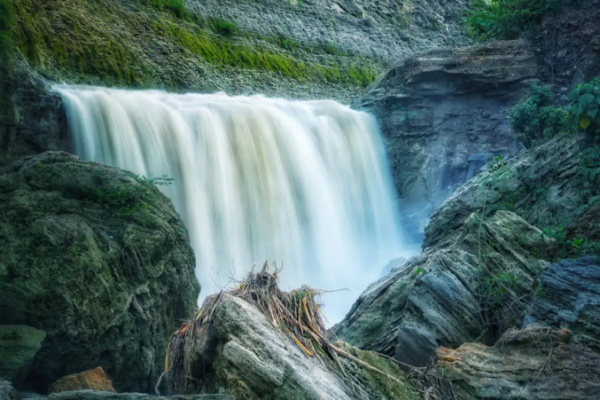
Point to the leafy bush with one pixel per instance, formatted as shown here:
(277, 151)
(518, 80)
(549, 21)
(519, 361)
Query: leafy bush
(538, 119)
(225, 28)
(287, 44)
(569, 248)
(6, 19)
(177, 7)
(585, 106)
(505, 19)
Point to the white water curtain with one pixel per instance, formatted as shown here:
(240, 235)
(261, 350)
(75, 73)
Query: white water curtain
(255, 179)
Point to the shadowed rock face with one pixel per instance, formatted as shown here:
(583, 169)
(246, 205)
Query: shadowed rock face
(98, 260)
(533, 364)
(568, 43)
(444, 115)
(32, 118)
(569, 297)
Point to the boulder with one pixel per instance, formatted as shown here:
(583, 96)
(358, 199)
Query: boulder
(94, 379)
(533, 364)
(568, 296)
(472, 288)
(97, 258)
(241, 354)
(18, 346)
(443, 115)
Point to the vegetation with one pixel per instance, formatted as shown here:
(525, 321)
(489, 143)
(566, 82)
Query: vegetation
(220, 52)
(585, 106)
(538, 119)
(126, 198)
(495, 290)
(6, 23)
(176, 7)
(125, 52)
(569, 248)
(222, 27)
(506, 19)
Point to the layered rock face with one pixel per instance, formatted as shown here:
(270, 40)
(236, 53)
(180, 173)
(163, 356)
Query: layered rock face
(568, 42)
(533, 364)
(568, 297)
(441, 298)
(99, 260)
(444, 115)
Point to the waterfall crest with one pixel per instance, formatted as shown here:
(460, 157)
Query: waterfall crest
(303, 183)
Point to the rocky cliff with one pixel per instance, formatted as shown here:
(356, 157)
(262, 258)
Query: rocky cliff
(479, 257)
(444, 115)
(99, 260)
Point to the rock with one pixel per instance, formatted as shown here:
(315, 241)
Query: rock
(443, 297)
(18, 346)
(95, 379)
(543, 185)
(32, 118)
(568, 296)
(443, 115)
(392, 266)
(533, 364)
(569, 43)
(7, 392)
(94, 395)
(244, 356)
(97, 259)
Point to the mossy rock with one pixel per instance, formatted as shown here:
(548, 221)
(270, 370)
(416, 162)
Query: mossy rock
(18, 346)
(99, 260)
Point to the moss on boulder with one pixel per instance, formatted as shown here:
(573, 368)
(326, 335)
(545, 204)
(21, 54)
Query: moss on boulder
(97, 259)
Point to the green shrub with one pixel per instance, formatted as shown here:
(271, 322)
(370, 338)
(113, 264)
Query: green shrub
(287, 44)
(176, 7)
(585, 106)
(506, 19)
(6, 22)
(538, 119)
(225, 28)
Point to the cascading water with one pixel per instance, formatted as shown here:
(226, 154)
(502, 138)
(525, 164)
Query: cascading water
(255, 179)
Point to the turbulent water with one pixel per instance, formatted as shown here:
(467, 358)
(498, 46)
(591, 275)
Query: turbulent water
(301, 183)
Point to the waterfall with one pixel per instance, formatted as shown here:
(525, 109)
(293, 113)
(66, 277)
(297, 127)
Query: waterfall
(299, 182)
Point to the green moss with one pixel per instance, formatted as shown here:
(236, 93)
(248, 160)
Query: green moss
(220, 52)
(104, 42)
(85, 50)
(222, 27)
(176, 7)
(6, 22)
(389, 388)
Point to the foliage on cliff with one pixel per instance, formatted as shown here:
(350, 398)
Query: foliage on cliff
(585, 106)
(158, 43)
(539, 119)
(506, 19)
